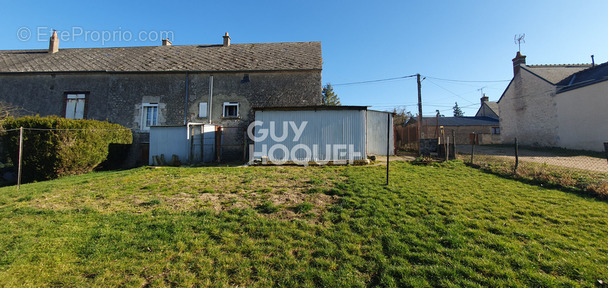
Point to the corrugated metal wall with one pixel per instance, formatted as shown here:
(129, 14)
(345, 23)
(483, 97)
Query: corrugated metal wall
(377, 132)
(342, 130)
(173, 140)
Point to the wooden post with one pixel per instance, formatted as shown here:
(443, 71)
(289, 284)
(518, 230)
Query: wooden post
(419, 113)
(388, 145)
(606, 149)
(453, 145)
(20, 157)
(447, 149)
(516, 156)
(472, 148)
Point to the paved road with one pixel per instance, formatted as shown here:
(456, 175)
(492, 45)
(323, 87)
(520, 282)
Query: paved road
(578, 162)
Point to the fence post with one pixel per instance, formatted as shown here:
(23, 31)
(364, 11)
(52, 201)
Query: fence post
(516, 156)
(606, 149)
(472, 148)
(20, 158)
(447, 149)
(453, 145)
(388, 145)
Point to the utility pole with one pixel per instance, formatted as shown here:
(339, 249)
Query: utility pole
(419, 113)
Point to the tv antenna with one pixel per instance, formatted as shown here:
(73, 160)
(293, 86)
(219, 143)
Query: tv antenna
(481, 89)
(518, 39)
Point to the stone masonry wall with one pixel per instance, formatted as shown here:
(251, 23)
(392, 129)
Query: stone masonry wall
(118, 97)
(528, 112)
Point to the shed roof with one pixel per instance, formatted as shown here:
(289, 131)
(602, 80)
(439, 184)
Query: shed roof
(318, 107)
(293, 56)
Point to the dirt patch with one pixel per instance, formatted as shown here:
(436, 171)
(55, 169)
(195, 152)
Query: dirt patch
(182, 190)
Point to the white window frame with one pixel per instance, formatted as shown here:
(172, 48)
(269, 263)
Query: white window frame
(230, 104)
(144, 114)
(78, 101)
(202, 110)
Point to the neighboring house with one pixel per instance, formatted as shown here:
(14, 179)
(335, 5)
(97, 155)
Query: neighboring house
(582, 106)
(488, 108)
(484, 124)
(486, 129)
(140, 87)
(555, 105)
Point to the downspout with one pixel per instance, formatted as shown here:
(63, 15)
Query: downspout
(210, 98)
(186, 104)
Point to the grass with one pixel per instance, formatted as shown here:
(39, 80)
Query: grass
(445, 225)
(558, 151)
(575, 180)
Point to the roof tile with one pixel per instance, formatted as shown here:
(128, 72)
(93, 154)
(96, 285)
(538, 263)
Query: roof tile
(292, 56)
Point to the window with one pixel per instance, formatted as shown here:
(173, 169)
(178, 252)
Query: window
(202, 110)
(231, 109)
(149, 115)
(75, 104)
(495, 130)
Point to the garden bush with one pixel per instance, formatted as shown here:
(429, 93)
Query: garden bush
(55, 146)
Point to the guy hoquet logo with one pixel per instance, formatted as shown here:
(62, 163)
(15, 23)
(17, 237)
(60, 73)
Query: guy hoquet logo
(281, 148)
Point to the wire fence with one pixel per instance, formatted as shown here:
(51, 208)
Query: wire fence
(11, 167)
(581, 170)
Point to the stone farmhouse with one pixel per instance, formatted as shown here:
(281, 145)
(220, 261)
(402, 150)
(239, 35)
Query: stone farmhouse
(167, 85)
(555, 105)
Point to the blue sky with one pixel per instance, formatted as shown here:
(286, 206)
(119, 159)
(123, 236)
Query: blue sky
(361, 40)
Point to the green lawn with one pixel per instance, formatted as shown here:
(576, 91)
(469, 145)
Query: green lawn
(441, 225)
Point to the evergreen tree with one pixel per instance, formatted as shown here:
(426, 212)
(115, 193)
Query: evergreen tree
(457, 111)
(330, 97)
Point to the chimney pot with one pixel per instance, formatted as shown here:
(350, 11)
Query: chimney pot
(517, 61)
(226, 40)
(167, 42)
(54, 43)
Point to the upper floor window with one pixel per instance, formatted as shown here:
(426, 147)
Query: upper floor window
(75, 105)
(149, 115)
(231, 109)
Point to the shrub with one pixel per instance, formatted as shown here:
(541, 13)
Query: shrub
(55, 147)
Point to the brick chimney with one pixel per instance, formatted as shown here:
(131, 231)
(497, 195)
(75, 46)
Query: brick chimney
(226, 40)
(167, 42)
(517, 61)
(484, 99)
(54, 43)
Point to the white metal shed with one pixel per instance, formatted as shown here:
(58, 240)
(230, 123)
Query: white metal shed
(320, 134)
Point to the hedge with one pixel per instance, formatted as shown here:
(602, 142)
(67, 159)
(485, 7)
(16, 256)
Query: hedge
(69, 147)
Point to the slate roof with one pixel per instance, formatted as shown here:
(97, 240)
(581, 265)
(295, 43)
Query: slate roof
(555, 73)
(293, 56)
(584, 78)
(460, 121)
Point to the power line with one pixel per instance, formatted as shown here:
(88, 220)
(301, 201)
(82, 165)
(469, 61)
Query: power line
(374, 81)
(450, 92)
(467, 81)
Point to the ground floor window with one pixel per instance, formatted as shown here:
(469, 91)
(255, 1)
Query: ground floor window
(495, 130)
(75, 105)
(231, 109)
(149, 115)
